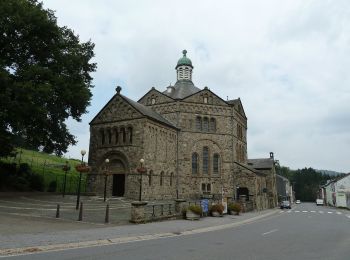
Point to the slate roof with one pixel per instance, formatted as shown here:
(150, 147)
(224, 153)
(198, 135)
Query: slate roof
(146, 111)
(265, 163)
(182, 89)
(282, 178)
(248, 167)
(233, 101)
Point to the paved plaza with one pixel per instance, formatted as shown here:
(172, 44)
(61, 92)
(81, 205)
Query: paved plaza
(41, 208)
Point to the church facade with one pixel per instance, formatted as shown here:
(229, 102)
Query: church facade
(193, 143)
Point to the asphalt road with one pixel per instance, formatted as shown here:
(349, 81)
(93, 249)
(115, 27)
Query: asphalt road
(304, 232)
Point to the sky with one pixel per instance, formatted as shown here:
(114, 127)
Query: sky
(288, 61)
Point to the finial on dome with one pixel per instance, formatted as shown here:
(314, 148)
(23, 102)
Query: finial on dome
(118, 89)
(184, 52)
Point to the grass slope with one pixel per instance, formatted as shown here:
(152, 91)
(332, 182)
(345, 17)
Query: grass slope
(51, 168)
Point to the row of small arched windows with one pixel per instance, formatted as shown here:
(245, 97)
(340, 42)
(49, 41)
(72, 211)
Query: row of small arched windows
(161, 178)
(205, 124)
(116, 136)
(206, 169)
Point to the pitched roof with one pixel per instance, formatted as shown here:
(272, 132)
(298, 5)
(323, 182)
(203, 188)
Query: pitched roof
(182, 88)
(148, 112)
(264, 163)
(250, 169)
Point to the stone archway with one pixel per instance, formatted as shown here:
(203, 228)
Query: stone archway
(118, 171)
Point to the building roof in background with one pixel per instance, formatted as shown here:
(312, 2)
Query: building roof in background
(264, 163)
(182, 89)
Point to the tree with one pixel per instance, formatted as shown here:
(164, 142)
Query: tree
(44, 78)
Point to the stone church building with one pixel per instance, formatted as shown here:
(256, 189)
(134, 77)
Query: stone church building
(194, 145)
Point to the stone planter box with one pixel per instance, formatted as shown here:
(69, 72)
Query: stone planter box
(191, 215)
(216, 214)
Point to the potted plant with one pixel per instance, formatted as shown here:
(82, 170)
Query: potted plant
(194, 212)
(234, 208)
(216, 210)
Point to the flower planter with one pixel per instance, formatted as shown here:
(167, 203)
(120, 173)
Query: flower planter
(82, 168)
(216, 214)
(191, 215)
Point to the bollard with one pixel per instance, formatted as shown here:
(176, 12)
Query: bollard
(80, 212)
(107, 214)
(58, 211)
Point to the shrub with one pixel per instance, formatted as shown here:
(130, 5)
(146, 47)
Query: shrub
(195, 209)
(19, 183)
(36, 182)
(218, 208)
(235, 207)
(52, 186)
(24, 169)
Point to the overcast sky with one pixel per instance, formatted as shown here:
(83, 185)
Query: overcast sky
(288, 61)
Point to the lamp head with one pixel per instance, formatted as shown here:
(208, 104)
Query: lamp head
(82, 152)
(142, 161)
(107, 160)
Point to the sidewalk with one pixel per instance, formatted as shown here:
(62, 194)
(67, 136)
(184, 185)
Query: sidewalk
(93, 235)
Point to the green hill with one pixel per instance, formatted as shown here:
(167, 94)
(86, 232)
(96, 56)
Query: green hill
(50, 167)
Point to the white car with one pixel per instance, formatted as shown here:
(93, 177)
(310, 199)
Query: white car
(319, 202)
(297, 202)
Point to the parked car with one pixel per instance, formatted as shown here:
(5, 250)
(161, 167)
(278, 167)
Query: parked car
(297, 202)
(319, 202)
(285, 204)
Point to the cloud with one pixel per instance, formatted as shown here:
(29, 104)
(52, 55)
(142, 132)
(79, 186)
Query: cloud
(288, 62)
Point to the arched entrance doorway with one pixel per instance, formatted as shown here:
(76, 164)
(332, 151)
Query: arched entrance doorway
(118, 170)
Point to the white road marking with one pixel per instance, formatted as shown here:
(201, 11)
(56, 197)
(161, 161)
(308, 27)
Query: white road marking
(321, 212)
(348, 216)
(296, 211)
(330, 212)
(339, 213)
(269, 232)
(305, 211)
(281, 211)
(312, 211)
(289, 211)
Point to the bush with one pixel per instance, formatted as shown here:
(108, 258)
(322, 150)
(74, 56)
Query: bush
(235, 207)
(36, 182)
(195, 209)
(52, 186)
(19, 183)
(217, 208)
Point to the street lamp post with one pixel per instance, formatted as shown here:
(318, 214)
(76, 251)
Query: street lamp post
(141, 170)
(106, 176)
(82, 152)
(66, 168)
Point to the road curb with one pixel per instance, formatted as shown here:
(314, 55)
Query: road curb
(121, 240)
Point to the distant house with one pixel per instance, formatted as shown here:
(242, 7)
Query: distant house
(336, 192)
(284, 189)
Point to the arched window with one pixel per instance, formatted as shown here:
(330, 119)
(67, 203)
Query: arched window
(199, 123)
(171, 179)
(205, 160)
(216, 159)
(130, 134)
(212, 125)
(109, 131)
(208, 187)
(116, 136)
(161, 178)
(150, 178)
(205, 124)
(194, 163)
(123, 133)
(102, 134)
